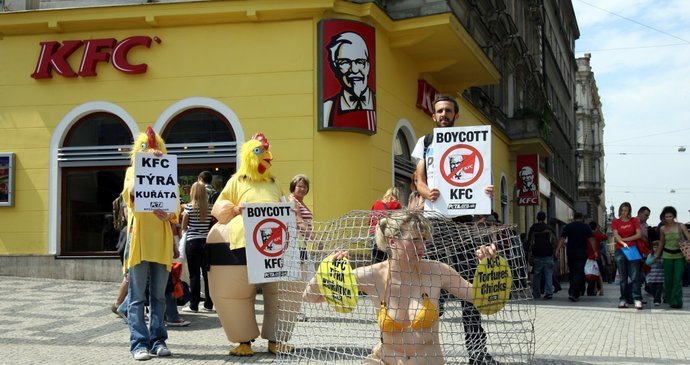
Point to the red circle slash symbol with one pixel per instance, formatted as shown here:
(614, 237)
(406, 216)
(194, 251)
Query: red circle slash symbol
(270, 237)
(461, 165)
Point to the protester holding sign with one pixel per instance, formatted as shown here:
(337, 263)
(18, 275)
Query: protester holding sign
(406, 288)
(445, 113)
(148, 257)
(232, 293)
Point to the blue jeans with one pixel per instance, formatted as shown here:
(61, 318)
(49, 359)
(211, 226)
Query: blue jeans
(628, 270)
(543, 270)
(155, 334)
(171, 313)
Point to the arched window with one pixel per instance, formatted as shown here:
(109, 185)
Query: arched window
(92, 158)
(202, 139)
(404, 167)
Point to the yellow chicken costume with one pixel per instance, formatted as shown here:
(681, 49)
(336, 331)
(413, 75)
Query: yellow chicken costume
(232, 293)
(147, 226)
(148, 256)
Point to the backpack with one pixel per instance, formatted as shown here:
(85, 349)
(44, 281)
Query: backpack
(180, 288)
(428, 138)
(212, 195)
(119, 216)
(542, 243)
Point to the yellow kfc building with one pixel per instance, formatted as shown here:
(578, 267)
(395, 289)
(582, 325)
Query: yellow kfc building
(77, 84)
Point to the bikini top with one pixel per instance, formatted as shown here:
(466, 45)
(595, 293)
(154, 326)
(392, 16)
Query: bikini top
(426, 316)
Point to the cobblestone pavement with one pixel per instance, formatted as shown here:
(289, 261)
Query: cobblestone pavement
(47, 321)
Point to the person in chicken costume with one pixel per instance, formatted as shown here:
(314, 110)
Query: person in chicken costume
(232, 293)
(148, 258)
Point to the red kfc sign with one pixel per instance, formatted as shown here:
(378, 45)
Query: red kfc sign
(54, 56)
(425, 96)
(528, 179)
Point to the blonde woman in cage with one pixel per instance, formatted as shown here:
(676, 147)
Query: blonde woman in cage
(405, 289)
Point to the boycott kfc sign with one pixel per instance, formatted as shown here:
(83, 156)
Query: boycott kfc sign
(54, 56)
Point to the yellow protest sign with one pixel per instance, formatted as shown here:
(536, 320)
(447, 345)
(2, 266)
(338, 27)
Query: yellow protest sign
(492, 283)
(338, 284)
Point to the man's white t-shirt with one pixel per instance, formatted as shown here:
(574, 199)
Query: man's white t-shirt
(418, 153)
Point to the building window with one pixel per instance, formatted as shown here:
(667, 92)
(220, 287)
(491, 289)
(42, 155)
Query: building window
(93, 159)
(404, 166)
(202, 139)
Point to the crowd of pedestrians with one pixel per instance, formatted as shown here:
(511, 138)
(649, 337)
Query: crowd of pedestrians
(644, 258)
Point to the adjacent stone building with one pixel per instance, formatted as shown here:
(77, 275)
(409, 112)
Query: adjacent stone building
(590, 144)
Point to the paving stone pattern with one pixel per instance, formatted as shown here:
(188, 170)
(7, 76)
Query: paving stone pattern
(48, 321)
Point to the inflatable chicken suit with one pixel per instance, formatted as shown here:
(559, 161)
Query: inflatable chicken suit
(232, 293)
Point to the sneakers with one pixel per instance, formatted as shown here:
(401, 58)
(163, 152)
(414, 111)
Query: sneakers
(161, 351)
(573, 299)
(622, 304)
(207, 310)
(141, 355)
(656, 304)
(190, 310)
(638, 304)
(178, 323)
(548, 296)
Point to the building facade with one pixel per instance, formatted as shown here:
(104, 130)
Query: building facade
(206, 75)
(590, 144)
(532, 43)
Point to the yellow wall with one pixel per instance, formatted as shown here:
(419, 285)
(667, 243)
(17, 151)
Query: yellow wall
(214, 61)
(264, 71)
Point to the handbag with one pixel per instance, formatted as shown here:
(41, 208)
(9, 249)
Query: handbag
(683, 244)
(685, 249)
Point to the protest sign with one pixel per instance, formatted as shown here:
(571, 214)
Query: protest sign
(462, 170)
(155, 183)
(269, 241)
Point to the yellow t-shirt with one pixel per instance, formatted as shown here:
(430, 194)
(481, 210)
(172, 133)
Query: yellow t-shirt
(152, 239)
(240, 190)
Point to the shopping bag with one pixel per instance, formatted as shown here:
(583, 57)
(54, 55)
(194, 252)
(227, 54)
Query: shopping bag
(592, 270)
(183, 246)
(632, 253)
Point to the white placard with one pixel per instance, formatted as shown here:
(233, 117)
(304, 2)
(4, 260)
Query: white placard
(462, 169)
(269, 241)
(155, 183)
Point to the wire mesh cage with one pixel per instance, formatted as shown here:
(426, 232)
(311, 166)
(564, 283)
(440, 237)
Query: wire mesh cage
(439, 249)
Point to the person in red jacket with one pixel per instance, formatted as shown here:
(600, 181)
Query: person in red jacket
(390, 201)
(599, 237)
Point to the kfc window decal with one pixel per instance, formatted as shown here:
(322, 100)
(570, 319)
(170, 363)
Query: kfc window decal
(347, 82)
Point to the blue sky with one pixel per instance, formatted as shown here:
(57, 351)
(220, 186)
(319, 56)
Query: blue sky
(641, 62)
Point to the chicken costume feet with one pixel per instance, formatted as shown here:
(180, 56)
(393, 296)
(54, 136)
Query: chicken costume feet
(244, 349)
(276, 347)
